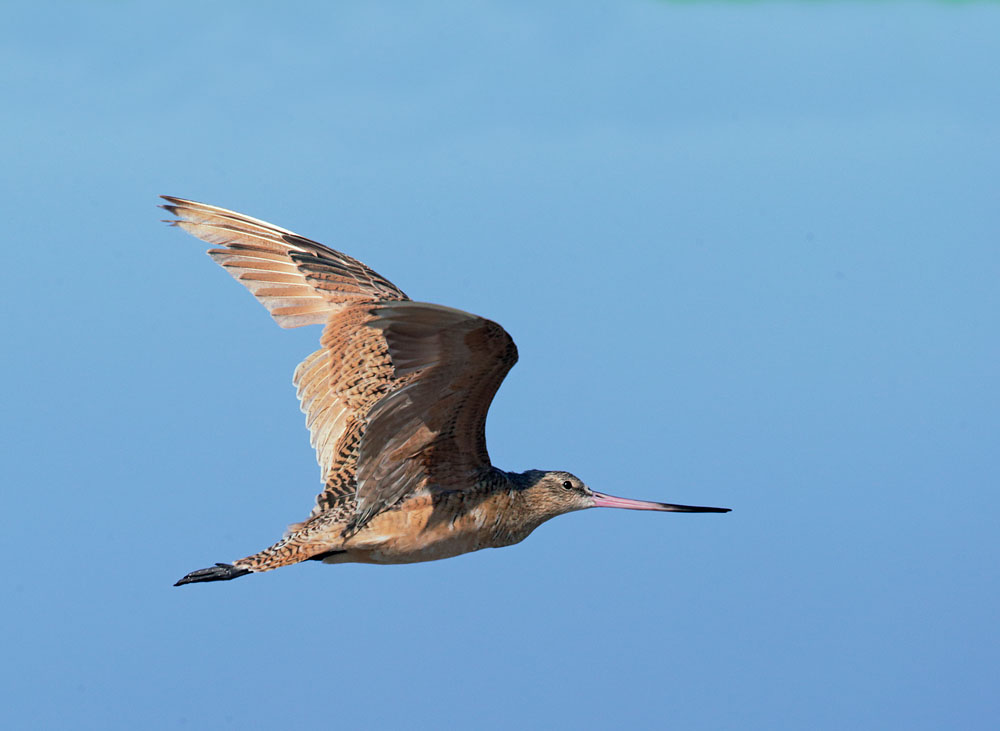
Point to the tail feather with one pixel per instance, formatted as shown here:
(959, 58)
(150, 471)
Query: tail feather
(219, 572)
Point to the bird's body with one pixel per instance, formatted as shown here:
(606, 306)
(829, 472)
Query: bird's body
(396, 401)
(493, 511)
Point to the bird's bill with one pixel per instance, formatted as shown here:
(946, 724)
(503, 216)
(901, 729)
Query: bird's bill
(610, 501)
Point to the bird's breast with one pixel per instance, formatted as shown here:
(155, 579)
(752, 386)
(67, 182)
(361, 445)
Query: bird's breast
(428, 527)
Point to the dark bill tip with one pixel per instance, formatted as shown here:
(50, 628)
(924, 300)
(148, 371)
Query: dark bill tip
(610, 501)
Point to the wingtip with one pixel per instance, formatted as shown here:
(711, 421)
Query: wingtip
(170, 207)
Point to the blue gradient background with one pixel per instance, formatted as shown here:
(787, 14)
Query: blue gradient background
(749, 253)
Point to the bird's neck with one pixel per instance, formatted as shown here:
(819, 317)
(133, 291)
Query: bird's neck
(524, 508)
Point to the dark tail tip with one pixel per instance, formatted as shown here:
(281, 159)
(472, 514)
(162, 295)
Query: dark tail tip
(219, 572)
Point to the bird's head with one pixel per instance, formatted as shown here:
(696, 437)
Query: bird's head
(554, 493)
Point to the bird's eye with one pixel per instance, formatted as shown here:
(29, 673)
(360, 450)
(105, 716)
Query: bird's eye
(568, 485)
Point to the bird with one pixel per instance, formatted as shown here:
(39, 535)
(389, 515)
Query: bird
(395, 400)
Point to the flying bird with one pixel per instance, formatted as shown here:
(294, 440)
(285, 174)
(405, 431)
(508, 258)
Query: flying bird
(395, 401)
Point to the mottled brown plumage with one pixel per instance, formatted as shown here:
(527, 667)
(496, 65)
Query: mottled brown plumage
(395, 402)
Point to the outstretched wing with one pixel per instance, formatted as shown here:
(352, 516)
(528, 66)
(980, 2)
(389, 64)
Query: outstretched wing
(429, 430)
(300, 282)
(397, 395)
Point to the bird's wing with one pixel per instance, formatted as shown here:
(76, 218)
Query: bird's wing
(429, 428)
(302, 282)
(299, 281)
(396, 398)
(337, 386)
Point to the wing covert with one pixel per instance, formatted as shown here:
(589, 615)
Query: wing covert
(430, 430)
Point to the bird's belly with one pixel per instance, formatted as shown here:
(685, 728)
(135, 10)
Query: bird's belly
(417, 532)
(396, 551)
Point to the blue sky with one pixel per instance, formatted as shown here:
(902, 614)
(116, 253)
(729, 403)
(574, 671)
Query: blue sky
(750, 256)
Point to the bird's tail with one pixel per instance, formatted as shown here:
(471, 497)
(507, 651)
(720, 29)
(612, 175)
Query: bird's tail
(295, 547)
(219, 572)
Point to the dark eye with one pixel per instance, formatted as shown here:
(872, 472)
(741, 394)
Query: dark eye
(568, 485)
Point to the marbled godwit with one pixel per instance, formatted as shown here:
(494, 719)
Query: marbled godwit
(395, 402)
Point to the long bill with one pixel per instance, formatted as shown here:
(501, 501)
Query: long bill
(610, 501)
